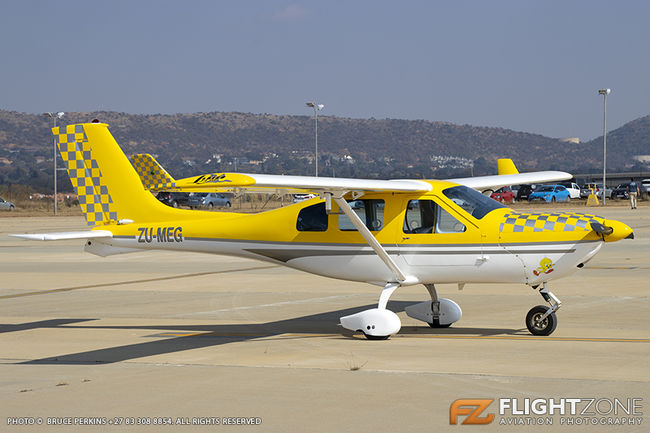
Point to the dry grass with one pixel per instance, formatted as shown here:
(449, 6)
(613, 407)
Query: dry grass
(40, 207)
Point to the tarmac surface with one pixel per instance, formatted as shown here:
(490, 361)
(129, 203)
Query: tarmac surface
(153, 337)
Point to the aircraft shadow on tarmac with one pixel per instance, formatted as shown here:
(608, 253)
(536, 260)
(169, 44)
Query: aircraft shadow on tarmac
(178, 338)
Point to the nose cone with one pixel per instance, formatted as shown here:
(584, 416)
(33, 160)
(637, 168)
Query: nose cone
(619, 231)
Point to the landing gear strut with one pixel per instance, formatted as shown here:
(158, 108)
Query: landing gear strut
(435, 307)
(542, 320)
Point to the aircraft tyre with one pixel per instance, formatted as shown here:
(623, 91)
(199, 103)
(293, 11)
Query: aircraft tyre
(436, 324)
(376, 323)
(376, 337)
(544, 327)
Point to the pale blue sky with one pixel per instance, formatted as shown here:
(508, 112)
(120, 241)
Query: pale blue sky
(531, 66)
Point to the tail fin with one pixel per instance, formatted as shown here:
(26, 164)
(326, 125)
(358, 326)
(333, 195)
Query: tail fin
(153, 176)
(106, 184)
(506, 166)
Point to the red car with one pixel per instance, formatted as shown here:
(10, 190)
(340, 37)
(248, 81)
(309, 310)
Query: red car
(504, 195)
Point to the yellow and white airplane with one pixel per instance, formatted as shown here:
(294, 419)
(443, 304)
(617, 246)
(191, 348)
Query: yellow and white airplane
(390, 233)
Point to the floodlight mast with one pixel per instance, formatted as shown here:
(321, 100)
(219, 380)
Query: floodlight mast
(317, 107)
(604, 92)
(54, 116)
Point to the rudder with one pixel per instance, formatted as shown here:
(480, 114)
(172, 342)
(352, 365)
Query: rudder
(96, 203)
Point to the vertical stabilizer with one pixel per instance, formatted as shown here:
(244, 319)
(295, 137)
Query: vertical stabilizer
(106, 184)
(506, 166)
(153, 176)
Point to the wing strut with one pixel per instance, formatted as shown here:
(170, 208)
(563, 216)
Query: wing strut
(400, 277)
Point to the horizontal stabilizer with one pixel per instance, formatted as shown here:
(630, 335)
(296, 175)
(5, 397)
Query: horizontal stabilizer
(88, 234)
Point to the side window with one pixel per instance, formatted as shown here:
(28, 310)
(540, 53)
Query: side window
(312, 219)
(371, 212)
(447, 223)
(420, 216)
(425, 216)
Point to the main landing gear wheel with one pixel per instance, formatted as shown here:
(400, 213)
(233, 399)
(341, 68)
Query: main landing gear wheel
(538, 325)
(437, 313)
(376, 337)
(436, 324)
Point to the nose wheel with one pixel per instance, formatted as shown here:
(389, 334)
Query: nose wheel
(540, 323)
(541, 320)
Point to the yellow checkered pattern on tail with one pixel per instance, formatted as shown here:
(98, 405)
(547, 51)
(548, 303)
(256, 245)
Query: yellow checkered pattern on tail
(96, 203)
(152, 175)
(537, 222)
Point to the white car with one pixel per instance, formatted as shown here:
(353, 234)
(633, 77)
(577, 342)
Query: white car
(573, 188)
(297, 198)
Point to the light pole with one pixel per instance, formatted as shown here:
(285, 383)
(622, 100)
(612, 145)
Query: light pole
(54, 116)
(317, 108)
(604, 92)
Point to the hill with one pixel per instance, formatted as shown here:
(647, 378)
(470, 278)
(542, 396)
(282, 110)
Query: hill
(188, 144)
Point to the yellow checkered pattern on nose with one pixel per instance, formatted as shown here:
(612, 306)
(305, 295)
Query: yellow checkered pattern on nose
(537, 222)
(152, 175)
(86, 177)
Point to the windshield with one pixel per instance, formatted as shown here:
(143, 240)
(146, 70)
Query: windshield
(545, 189)
(472, 201)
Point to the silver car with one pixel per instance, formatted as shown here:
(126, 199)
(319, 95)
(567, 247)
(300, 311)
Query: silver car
(208, 199)
(6, 205)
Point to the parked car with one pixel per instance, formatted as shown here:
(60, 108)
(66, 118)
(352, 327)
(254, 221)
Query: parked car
(550, 193)
(524, 191)
(587, 189)
(297, 198)
(645, 186)
(503, 195)
(573, 188)
(596, 187)
(173, 199)
(620, 191)
(6, 205)
(608, 190)
(208, 199)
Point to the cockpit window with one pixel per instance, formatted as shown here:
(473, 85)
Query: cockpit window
(312, 219)
(370, 211)
(472, 201)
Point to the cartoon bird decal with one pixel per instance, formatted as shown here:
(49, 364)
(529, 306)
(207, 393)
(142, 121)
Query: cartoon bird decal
(545, 267)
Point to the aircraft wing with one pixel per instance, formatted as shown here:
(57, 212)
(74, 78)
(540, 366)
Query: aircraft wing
(155, 178)
(493, 182)
(234, 181)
